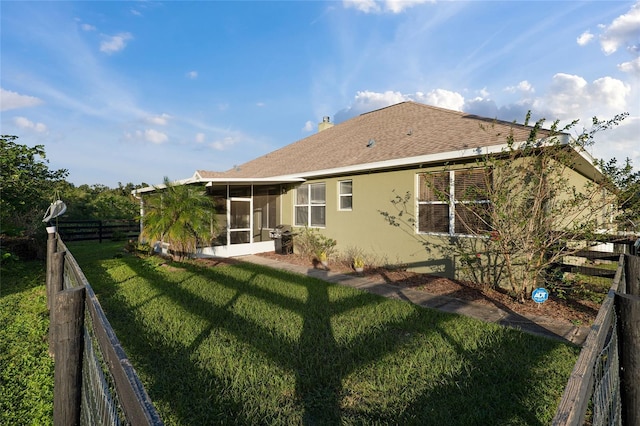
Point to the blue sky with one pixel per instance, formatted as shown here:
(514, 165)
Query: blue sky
(135, 91)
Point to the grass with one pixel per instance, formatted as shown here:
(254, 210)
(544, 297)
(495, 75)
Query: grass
(244, 344)
(26, 370)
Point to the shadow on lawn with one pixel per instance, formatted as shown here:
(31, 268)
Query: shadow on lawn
(320, 364)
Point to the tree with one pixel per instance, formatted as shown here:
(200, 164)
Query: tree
(626, 186)
(180, 215)
(535, 214)
(28, 186)
(99, 202)
(522, 206)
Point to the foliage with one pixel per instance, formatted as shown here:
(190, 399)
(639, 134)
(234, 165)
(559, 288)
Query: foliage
(626, 186)
(26, 370)
(532, 212)
(28, 186)
(138, 247)
(535, 209)
(99, 202)
(7, 257)
(244, 344)
(179, 215)
(314, 245)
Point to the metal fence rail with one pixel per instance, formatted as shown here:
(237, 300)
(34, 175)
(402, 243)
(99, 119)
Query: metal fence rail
(111, 392)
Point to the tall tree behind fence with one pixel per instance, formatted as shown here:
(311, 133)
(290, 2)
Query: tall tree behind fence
(94, 382)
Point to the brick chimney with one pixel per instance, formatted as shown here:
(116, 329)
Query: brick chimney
(326, 123)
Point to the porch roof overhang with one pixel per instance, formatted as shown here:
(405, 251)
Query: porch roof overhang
(196, 178)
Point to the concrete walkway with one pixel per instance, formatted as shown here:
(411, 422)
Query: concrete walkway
(539, 325)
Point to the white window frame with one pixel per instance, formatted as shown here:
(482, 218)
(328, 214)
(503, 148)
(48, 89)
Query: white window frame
(310, 204)
(345, 195)
(451, 202)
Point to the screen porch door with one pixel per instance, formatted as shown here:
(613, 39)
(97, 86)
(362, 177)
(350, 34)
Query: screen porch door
(240, 220)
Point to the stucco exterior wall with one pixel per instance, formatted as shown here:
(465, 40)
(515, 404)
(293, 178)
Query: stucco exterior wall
(365, 227)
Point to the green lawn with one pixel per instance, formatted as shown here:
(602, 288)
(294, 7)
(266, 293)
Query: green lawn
(26, 370)
(245, 344)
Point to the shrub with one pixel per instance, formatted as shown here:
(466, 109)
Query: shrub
(314, 245)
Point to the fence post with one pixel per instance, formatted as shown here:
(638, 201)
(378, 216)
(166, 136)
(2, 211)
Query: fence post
(56, 285)
(628, 310)
(52, 243)
(632, 273)
(69, 342)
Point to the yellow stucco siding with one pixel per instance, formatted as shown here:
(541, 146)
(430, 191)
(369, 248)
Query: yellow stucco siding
(364, 226)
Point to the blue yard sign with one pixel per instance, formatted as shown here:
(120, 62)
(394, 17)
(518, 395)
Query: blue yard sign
(540, 295)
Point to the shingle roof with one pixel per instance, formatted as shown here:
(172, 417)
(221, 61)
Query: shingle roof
(403, 130)
(205, 174)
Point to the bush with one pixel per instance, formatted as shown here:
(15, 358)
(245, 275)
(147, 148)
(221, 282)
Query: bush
(6, 257)
(312, 244)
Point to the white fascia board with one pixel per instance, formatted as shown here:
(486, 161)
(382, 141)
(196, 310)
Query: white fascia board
(441, 157)
(263, 181)
(409, 161)
(163, 186)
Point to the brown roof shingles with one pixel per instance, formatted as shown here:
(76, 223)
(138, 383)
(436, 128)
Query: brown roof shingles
(403, 130)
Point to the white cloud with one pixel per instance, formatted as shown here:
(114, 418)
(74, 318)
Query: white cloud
(160, 120)
(27, 124)
(441, 98)
(571, 96)
(610, 92)
(631, 66)
(566, 97)
(200, 137)
(523, 87)
(584, 38)
(308, 126)
(378, 6)
(366, 101)
(155, 136)
(397, 6)
(192, 75)
(260, 104)
(87, 27)
(116, 43)
(622, 31)
(366, 6)
(224, 143)
(12, 100)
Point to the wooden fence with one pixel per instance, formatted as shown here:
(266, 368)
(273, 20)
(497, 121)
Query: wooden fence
(94, 382)
(113, 229)
(604, 386)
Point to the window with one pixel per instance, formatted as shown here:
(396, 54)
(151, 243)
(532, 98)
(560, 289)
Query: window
(345, 193)
(454, 202)
(310, 205)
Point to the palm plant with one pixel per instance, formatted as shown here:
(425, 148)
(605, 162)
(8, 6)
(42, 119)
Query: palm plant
(179, 215)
